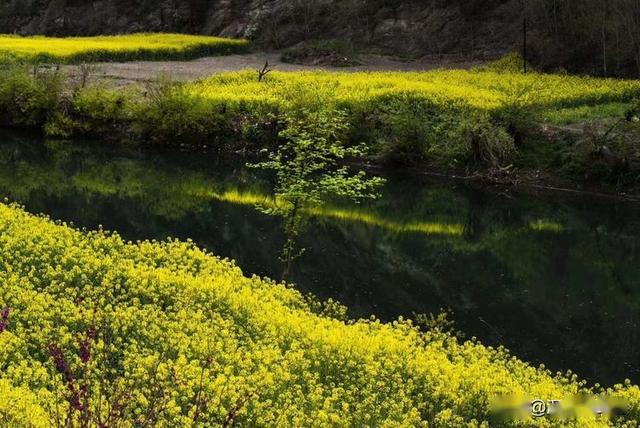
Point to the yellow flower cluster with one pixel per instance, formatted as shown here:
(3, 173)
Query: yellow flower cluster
(163, 334)
(481, 90)
(115, 48)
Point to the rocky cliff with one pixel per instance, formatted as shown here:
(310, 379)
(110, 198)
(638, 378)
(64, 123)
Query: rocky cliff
(477, 28)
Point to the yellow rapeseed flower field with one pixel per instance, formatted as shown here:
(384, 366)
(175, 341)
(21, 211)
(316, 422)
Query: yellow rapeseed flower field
(481, 90)
(164, 334)
(115, 48)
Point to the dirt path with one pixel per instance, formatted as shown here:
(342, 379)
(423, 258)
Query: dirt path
(140, 71)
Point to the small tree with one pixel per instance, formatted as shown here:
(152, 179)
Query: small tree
(307, 166)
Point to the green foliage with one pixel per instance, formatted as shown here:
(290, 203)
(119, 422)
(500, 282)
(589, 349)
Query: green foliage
(29, 95)
(632, 113)
(168, 113)
(599, 150)
(611, 150)
(486, 143)
(409, 129)
(440, 324)
(93, 111)
(522, 107)
(415, 132)
(307, 163)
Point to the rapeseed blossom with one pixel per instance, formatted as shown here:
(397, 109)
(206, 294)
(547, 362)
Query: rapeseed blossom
(168, 334)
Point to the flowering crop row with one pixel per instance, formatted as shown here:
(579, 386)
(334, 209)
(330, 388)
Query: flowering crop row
(115, 48)
(482, 90)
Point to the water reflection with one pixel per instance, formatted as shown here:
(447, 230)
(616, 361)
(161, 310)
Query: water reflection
(553, 278)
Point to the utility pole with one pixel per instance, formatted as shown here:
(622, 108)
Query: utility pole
(604, 39)
(524, 44)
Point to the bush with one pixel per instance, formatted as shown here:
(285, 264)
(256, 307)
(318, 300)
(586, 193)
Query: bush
(93, 111)
(29, 97)
(488, 144)
(409, 129)
(416, 132)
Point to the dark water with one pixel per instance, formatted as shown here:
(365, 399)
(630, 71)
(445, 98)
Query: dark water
(554, 278)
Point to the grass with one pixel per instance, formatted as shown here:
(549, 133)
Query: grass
(584, 113)
(164, 334)
(70, 50)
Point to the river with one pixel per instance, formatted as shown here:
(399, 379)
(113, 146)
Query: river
(553, 277)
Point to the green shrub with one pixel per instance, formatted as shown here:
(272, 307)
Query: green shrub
(409, 129)
(416, 132)
(167, 112)
(487, 144)
(93, 111)
(28, 97)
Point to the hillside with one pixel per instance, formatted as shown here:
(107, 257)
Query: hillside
(596, 38)
(410, 26)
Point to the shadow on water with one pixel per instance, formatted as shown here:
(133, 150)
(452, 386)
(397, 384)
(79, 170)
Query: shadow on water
(553, 278)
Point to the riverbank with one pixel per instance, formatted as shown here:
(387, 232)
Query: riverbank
(484, 123)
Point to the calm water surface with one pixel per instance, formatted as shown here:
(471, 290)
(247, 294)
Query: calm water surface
(554, 278)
